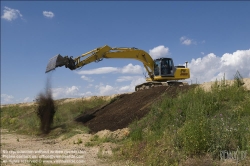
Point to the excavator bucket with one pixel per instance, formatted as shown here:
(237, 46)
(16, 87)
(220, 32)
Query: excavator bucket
(54, 62)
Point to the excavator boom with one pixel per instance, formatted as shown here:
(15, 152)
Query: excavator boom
(98, 54)
(159, 70)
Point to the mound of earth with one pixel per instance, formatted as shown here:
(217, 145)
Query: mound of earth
(126, 108)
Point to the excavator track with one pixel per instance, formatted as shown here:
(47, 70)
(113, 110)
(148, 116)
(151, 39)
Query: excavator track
(148, 85)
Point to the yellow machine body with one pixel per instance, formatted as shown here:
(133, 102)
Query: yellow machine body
(159, 70)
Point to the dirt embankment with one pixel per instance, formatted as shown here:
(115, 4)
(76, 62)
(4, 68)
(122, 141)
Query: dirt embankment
(125, 109)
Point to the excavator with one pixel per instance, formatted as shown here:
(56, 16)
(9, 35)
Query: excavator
(161, 71)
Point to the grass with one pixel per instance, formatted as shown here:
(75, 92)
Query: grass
(79, 141)
(193, 125)
(190, 129)
(24, 120)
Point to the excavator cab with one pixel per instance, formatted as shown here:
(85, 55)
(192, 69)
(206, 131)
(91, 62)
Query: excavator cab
(164, 67)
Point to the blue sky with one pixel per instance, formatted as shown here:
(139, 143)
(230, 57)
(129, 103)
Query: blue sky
(214, 37)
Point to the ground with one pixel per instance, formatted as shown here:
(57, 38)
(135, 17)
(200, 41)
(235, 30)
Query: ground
(23, 144)
(125, 109)
(108, 120)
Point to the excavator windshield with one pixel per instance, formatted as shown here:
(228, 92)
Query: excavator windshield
(163, 67)
(157, 67)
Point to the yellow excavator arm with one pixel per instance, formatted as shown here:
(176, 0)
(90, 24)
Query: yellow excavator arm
(108, 52)
(103, 52)
(160, 70)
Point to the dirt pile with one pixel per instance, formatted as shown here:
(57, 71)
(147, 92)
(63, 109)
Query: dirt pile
(125, 109)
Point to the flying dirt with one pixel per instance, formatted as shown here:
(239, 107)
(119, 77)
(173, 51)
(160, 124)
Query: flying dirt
(45, 109)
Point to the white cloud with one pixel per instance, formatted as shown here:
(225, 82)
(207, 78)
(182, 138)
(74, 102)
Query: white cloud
(72, 91)
(212, 67)
(127, 78)
(11, 14)
(90, 85)
(130, 68)
(186, 41)
(48, 14)
(100, 70)
(9, 99)
(159, 51)
(86, 78)
(26, 99)
(123, 89)
(106, 90)
(86, 94)
(124, 78)
(6, 99)
(131, 87)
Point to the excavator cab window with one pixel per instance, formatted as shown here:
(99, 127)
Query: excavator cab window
(166, 67)
(157, 67)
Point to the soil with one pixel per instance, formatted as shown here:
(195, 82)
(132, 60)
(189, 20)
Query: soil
(125, 109)
(21, 145)
(45, 111)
